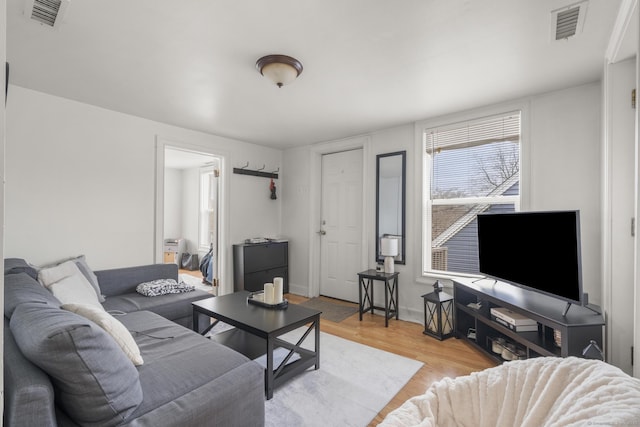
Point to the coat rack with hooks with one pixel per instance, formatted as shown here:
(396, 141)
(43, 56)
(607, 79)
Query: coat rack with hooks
(244, 170)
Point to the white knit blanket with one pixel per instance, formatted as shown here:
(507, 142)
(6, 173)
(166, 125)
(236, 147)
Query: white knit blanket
(543, 391)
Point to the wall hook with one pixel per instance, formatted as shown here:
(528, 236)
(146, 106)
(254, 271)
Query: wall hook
(256, 172)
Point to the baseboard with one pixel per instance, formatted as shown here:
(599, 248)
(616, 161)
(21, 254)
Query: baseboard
(411, 315)
(406, 314)
(298, 289)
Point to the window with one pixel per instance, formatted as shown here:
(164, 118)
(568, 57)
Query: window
(208, 207)
(470, 168)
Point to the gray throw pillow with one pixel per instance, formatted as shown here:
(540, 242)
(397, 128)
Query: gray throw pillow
(22, 288)
(19, 265)
(95, 383)
(86, 271)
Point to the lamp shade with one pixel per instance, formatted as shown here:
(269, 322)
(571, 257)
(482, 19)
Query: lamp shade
(388, 246)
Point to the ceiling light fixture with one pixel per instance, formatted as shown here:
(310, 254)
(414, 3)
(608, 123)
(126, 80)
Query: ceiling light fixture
(280, 69)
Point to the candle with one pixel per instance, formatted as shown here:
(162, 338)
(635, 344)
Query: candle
(277, 290)
(268, 293)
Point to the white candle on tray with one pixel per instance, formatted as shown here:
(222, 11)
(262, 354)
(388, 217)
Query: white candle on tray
(268, 293)
(277, 290)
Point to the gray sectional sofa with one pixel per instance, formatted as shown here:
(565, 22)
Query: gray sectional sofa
(62, 369)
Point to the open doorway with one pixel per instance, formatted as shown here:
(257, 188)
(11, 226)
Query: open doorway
(191, 220)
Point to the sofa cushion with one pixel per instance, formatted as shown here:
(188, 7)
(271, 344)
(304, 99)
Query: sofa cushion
(170, 306)
(184, 371)
(95, 383)
(19, 265)
(21, 288)
(112, 326)
(124, 280)
(28, 392)
(68, 284)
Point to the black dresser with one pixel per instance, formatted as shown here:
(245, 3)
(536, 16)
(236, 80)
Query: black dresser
(255, 264)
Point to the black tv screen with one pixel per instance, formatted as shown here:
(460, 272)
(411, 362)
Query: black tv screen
(535, 250)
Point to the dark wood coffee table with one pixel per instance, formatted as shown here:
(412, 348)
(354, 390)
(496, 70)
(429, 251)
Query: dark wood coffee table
(258, 332)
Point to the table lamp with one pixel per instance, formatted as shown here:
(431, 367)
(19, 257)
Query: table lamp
(389, 249)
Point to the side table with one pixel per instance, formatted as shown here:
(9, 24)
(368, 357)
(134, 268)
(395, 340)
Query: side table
(390, 280)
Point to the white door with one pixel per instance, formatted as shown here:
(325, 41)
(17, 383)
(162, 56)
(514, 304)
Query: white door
(341, 225)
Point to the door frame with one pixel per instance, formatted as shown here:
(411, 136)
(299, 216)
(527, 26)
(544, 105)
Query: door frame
(315, 196)
(225, 283)
(620, 35)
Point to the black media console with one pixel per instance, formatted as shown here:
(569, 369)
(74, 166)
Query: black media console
(556, 335)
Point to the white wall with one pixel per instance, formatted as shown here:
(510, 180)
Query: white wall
(190, 217)
(53, 210)
(296, 217)
(81, 180)
(173, 203)
(564, 163)
(389, 141)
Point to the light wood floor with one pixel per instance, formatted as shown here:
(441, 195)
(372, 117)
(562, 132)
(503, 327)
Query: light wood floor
(448, 358)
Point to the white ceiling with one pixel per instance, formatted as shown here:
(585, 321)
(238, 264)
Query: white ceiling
(368, 64)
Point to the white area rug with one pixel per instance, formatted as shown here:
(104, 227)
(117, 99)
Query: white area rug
(353, 384)
(192, 280)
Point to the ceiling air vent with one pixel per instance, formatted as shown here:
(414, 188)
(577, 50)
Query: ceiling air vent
(46, 12)
(568, 21)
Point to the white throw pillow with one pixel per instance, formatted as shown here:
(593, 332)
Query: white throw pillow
(112, 326)
(67, 283)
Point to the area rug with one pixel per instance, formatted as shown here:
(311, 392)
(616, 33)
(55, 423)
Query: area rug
(192, 280)
(353, 384)
(333, 312)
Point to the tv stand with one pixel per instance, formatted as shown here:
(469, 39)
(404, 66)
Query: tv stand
(560, 332)
(594, 308)
(495, 281)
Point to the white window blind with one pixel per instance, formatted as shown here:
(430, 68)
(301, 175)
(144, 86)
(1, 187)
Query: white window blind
(473, 133)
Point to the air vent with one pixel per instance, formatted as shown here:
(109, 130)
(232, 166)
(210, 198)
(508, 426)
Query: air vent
(46, 12)
(568, 21)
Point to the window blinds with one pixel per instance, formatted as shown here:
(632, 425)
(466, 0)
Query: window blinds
(474, 133)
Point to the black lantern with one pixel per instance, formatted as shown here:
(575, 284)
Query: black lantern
(438, 313)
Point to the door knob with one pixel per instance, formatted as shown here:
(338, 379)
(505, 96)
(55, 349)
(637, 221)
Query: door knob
(322, 232)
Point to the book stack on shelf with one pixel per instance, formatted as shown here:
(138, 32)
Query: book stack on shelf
(514, 321)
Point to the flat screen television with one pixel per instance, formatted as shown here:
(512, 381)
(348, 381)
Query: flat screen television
(539, 251)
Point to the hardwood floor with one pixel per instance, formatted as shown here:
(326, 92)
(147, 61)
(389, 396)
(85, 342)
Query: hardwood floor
(448, 358)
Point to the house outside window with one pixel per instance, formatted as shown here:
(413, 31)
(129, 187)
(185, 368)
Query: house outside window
(470, 168)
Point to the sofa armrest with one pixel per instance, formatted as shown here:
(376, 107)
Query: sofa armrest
(28, 392)
(119, 281)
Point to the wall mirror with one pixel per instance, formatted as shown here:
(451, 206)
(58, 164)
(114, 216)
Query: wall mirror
(390, 201)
